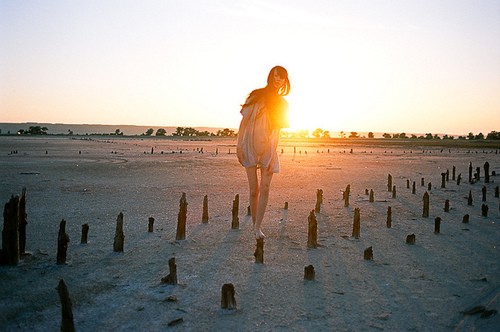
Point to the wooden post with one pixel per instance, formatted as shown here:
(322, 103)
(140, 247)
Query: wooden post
(259, 251)
(393, 191)
(235, 223)
(356, 226)
(346, 194)
(319, 200)
(465, 219)
(484, 193)
(10, 234)
(429, 186)
(249, 211)
(119, 235)
(447, 205)
(228, 300)
(23, 221)
(204, 217)
(447, 175)
(413, 188)
(410, 239)
(389, 183)
(437, 225)
(181, 218)
(453, 171)
(309, 273)
(407, 184)
(286, 206)
(368, 254)
(171, 278)
(371, 199)
(484, 210)
(67, 324)
(312, 231)
(497, 193)
(443, 180)
(459, 179)
(469, 199)
(477, 176)
(389, 217)
(425, 214)
(422, 182)
(470, 172)
(85, 234)
(151, 223)
(486, 172)
(62, 243)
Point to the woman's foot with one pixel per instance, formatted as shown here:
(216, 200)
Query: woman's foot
(259, 234)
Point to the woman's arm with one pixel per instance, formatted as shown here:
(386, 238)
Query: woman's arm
(239, 146)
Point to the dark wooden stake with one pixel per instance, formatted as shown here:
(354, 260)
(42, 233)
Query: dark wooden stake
(62, 243)
(228, 300)
(410, 239)
(459, 179)
(443, 180)
(429, 186)
(204, 217)
(181, 218)
(484, 210)
(85, 234)
(407, 184)
(469, 199)
(23, 221)
(309, 273)
(346, 194)
(422, 182)
(67, 324)
(413, 188)
(286, 206)
(171, 278)
(437, 225)
(454, 170)
(484, 193)
(465, 219)
(371, 199)
(259, 251)
(497, 192)
(119, 235)
(312, 231)
(151, 223)
(319, 200)
(470, 172)
(235, 223)
(10, 234)
(389, 217)
(368, 254)
(356, 225)
(486, 172)
(393, 191)
(447, 205)
(389, 183)
(425, 213)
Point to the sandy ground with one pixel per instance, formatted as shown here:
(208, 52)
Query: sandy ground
(421, 287)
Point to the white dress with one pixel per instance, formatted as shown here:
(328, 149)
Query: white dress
(260, 140)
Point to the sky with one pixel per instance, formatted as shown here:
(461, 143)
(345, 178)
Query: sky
(426, 66)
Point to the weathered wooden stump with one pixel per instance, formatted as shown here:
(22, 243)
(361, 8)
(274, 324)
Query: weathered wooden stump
(447, 175)
(425, 213)
(469, 198)
(459, 179)
(410, 239)
(465, 219)
(470, 172)
(477, 176)
(484, 210)
(407, 184)
(453, 172)
(372, 198)
(447, 205)
(235, 222)
(413, 188)
(10, 254)
(486, 172)
(181, 218)
(312, 230)
(422, 182)
(228, 300)
(497, 192)
(62, 243)
(429, 186)
(356, 225)
(389, 183)
(259, 251)
(483, 190)
(23, 221)
(368, 254)
(346, 195)
(171, 278)
(309, 273)
(119, 235)
(151, 223)
(319, 200)
(85, 234)
(204, 216)
(67, 324)
(437, 225)
(443, 180)
(393, 191)
(389, 217)
(286, 206)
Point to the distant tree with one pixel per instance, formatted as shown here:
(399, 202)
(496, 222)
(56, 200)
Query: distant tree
(190, 132)
(403, 136)
(386, 135)
(179, 131)
(436, 136)
(370, 135)
(470, 136)
(21, 132)
(479, 136)
(448, 137)
(428, 136)
(204, 133)
(353, 135)
(493, 135)
(317, 132)
(342, 134)
(226, 132)
(118, 132)
(326, 134)
(161, 132)
(149, 132)
(413, 136)
(70, 132)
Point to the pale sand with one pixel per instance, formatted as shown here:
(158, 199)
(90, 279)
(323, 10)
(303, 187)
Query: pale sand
(421, 287)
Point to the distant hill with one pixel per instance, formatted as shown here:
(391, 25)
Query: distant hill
(89, 129)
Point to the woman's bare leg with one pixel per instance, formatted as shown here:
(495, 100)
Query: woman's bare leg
(265, 185)
(253, 184)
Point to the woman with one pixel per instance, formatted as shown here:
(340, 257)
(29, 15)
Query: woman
(264, 114)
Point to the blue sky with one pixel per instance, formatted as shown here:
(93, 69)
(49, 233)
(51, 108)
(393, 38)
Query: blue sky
(382, 66)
